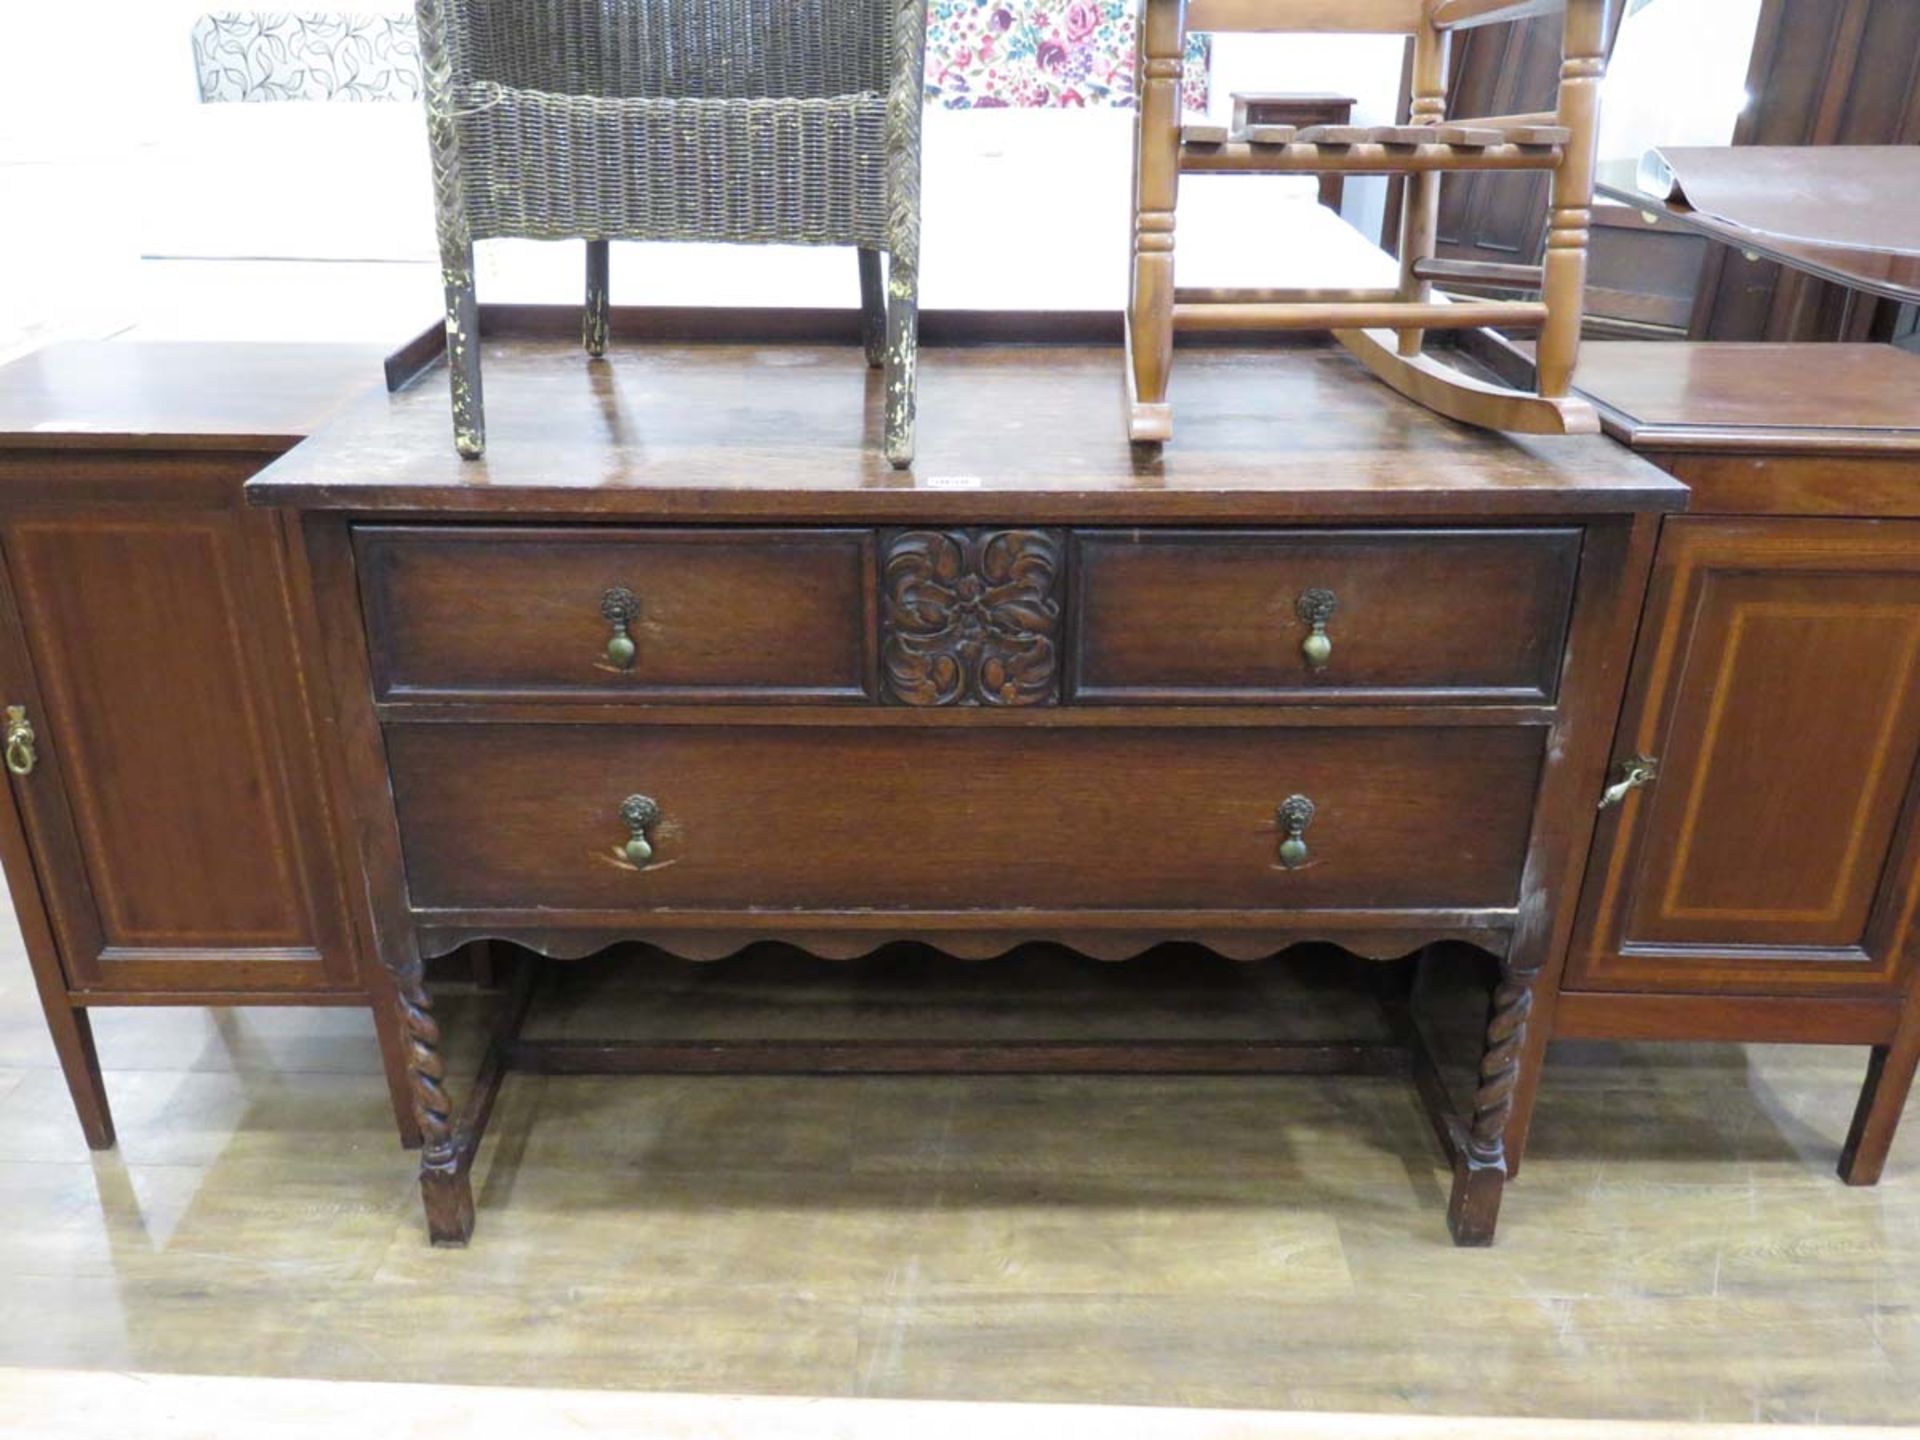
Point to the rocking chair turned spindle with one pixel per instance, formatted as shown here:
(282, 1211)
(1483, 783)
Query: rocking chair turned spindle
(1384, 327)
(782, 122)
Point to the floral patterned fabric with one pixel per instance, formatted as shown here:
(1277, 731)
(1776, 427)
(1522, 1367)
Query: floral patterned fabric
(276, 55)
(980, 54)
(1074, 53)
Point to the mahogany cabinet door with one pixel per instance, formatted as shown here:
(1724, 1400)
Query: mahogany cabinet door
(174, 808)
(1777, 684)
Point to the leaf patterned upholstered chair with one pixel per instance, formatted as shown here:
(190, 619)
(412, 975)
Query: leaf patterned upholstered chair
(1384, 327)
(788, 122)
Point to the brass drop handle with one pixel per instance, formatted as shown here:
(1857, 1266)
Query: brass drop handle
(1295, 815)
(1640, 770)
(20, 753)
(620, 607)
(1315, 607)
(641, 813)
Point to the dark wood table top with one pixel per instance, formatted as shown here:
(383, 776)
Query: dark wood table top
(1895, 277)
(1831, 399)
(127, 394)
(1008, 433)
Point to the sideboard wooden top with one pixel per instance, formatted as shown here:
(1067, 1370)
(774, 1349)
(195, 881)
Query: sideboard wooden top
(747, 432)
(1772, 399)
(150, 395)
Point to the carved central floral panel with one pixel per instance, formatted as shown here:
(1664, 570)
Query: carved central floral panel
(971, 617)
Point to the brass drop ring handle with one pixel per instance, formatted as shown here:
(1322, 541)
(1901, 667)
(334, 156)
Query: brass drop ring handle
(640, 812)
(620, 607)
(1633, 774)
(20, 753)
(1295, 815)
(1315, 607)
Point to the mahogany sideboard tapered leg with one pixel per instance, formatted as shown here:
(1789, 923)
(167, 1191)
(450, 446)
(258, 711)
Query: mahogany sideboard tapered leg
(80, 1064)
(67, 1023)
(1890, 1071)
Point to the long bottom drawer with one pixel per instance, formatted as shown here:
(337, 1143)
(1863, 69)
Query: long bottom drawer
(499, 817)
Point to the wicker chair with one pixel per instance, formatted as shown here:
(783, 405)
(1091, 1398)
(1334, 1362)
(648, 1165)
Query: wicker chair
(789, 122)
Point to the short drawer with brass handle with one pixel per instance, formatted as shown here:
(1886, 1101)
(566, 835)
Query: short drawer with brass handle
(1280, 616)
(1295, 814)
(625, 818)
(598, 614)
(1315, 608)
(640, 813)
(620, 608)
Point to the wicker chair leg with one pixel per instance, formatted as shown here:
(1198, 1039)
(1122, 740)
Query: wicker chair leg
(873, 307)
(593, 323)
(903, 356)
(463, 357)
(905, 106)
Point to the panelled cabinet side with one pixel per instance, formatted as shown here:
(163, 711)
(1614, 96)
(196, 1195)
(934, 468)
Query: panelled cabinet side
(179, 818)
(1778, 688)
(1616, 557)
(167, 831)
(370, 837)
(173, 838)
(326, 685)
(1760, 881)
(1764, 885)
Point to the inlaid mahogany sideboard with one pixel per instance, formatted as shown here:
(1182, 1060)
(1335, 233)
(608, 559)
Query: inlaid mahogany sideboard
(1759, 882)
(683, 660)
(167, 832)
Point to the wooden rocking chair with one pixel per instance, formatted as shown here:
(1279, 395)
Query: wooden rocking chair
(1384, 327)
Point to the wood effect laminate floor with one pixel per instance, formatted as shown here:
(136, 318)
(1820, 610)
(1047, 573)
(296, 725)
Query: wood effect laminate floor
(1677, 1247)
(92, 1405)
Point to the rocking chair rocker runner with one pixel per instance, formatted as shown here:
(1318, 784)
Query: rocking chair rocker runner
(1384, 327)
(787, 122)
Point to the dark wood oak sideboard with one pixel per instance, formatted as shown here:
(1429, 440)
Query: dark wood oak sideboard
(167, 831)
(1760, 883)
(684, 660)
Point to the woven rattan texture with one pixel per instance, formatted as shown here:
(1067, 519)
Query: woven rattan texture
(777, 171)
(720, 120)
(678, 49)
